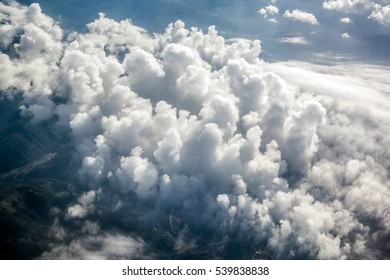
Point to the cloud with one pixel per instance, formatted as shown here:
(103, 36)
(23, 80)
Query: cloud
(187, 126)
(380, 10)
(269, 10)
(295, 40)
(272, 10)
(298, 15)
(345, 35)
(381, 14)
(39, 48)
(366, 83)
(85, 205)
(272, 20)
(99, 247)
(7, 72)
(358, 79)
(346, 20)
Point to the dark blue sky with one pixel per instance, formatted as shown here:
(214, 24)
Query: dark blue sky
(368, 40)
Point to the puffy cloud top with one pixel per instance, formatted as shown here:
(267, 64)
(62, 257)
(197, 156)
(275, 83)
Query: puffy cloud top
(301, 16)
(381, 14)
(269, 10)
(346, 20)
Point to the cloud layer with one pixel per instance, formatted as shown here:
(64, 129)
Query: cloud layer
(186, 124)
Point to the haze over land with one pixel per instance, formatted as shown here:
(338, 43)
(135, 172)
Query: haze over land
(119, 142)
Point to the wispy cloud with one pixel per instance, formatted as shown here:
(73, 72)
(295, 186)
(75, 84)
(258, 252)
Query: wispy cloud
(348, 5)
(295, 40)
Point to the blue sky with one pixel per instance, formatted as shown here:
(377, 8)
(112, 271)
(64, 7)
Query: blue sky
(368, 40)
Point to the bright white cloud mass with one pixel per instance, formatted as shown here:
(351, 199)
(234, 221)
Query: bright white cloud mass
(292, 158)
(381, 14)
(302, 16)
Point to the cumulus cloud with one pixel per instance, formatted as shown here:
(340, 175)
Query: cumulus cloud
(190, 126)
(269, 10)
(346, 20)
(381, 14)
(39, 48)
(84, 206)
(298, 15)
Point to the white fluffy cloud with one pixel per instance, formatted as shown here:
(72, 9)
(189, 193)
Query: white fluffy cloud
(346, 20)
(269, 10)
(347, 5)
(298, 15)
(381, 14)
(39, 48)
(85, 205)
(189, 125)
